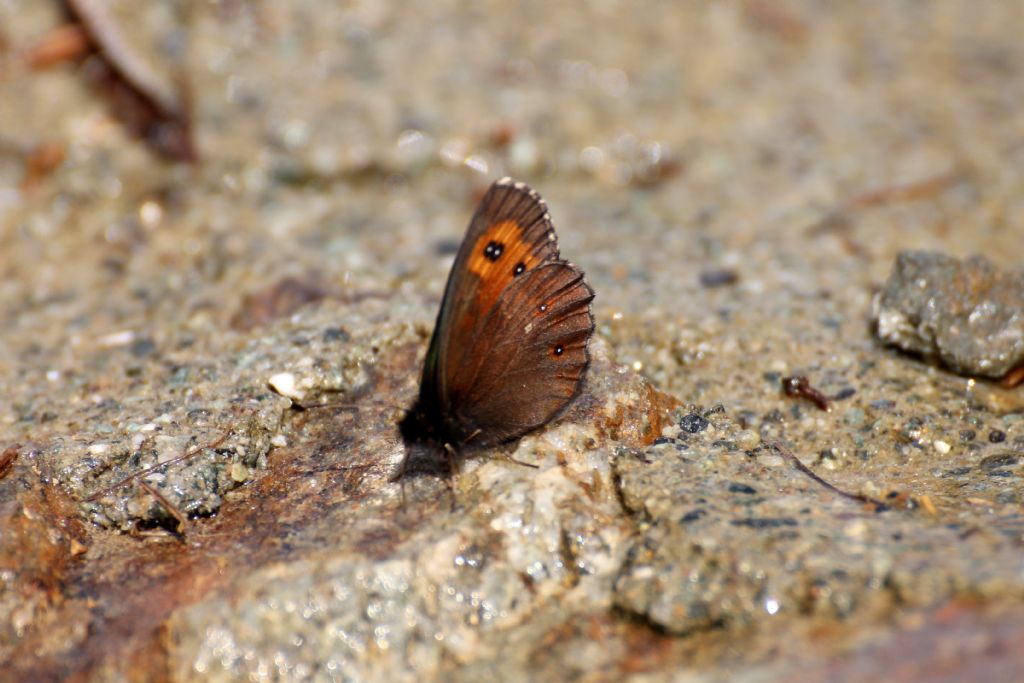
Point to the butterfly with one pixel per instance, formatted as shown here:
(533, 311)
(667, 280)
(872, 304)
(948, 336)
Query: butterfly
(509, 350)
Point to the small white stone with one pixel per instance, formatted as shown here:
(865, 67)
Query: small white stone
(122, 338)
(642, 572)
(150, 214)
(98, 448)
(941, 446)
(279, 441)
(284, 384)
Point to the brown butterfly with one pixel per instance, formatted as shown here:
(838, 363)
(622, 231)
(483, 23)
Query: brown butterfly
(509, 349)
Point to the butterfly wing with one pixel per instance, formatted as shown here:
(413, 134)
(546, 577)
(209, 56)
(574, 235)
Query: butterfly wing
(509, 238)
(536, 336)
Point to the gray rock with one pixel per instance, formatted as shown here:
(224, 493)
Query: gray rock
(967, 313)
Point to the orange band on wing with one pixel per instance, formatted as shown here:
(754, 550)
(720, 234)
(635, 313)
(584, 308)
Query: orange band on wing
(499, 255)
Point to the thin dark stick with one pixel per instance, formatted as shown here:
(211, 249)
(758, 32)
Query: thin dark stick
(167, 505)
(914, 191)
(108, 40)
(345, 406)
(323, 406)
(860, 498)
(1013, 378)
(184, 456)
(799, 386)
(158, 114)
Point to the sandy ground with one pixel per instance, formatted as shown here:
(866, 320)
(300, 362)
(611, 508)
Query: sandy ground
(736, 180)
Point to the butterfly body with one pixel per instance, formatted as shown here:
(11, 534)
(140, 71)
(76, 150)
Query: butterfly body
(509, 350)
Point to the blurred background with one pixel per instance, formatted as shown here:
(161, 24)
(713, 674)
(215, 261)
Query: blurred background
(350, 141)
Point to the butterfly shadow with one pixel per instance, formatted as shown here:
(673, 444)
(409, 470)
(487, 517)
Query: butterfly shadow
(426, 453)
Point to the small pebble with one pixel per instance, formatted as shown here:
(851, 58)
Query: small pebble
(239, 472)
(284, 384)
(333, 334)
(122, 338)
(693, 423)
(747, 439)
(718, 277)
(941, 446)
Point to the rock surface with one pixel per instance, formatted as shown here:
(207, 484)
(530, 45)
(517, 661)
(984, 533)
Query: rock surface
(736, 180)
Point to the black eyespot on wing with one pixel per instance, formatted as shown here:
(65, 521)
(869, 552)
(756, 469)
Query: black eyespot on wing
(493, 250)
(519, 269)
(559, 350)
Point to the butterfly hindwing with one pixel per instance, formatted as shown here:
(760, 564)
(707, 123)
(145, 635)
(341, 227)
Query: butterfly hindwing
(538, 333)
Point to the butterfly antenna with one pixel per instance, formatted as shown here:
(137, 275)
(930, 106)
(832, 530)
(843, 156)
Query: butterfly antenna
(454, 469)
(531, 465)
(507, 457)
(349, 406)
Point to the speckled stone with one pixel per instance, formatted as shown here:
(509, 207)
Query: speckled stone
(968, 313)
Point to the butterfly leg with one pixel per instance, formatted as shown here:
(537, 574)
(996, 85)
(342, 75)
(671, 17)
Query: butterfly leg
(532, 465)
(454, 471)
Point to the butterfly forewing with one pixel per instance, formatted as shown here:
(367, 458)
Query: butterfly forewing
(510, 232)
